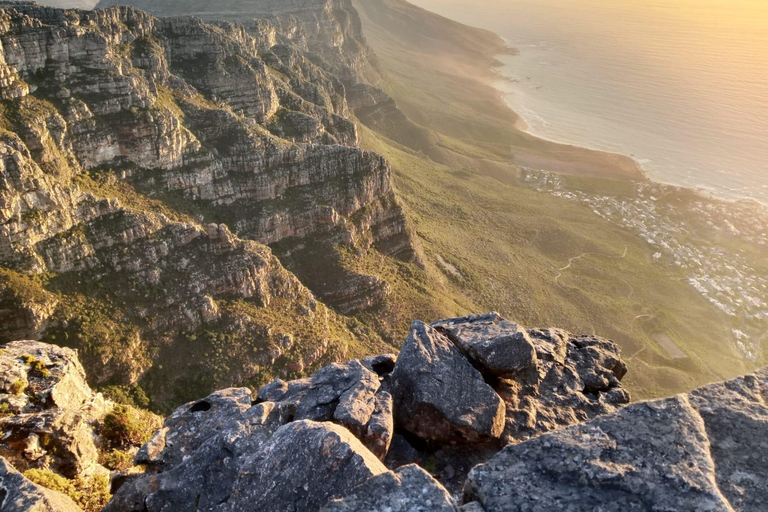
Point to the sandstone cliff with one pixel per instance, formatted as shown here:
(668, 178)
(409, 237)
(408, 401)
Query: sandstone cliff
(146, 163)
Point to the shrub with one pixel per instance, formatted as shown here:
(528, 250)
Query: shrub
(126, 426)
(52, 481)
(116, 460)
(93, 492)
(90, 493)
(127, 395)
(18, 387)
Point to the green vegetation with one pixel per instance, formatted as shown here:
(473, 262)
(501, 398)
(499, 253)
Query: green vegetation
(89, 493)
(125, 426)
(18, 386)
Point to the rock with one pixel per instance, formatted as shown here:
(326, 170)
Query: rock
(17, 494)
(184, 431)
(408, 489)
(204, 446)
(701, 451)
(284, 474)
(346, 393)
(381, 427)
(49, 398)
(498, 346)
(438, 395)
(547, 378)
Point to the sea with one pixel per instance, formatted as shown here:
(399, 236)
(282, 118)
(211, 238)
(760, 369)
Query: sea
(680, 85)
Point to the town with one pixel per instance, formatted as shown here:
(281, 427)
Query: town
(719, 246)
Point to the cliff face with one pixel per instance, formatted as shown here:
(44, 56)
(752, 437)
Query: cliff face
(144, 165)
(330, 30)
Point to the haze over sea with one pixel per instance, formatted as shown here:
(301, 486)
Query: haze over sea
(681, 85)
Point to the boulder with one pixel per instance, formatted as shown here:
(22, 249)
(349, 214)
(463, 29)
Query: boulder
(17, 494)
(53, 410)
(495, 345)
(193, 461)
(302, 467)
(704, 451)
(548, 378)
(349, 394)
(189, 426)
(407, 489)
(438, 395)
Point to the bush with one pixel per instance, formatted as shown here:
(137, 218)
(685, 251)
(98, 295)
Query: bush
(90, 493)
(125, 427)
(18, 387)
(117, 460)
(127, 395)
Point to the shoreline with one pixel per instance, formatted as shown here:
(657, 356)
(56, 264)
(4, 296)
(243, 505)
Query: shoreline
(704, 191)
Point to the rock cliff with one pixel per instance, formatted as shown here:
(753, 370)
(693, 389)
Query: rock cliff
(146, 164)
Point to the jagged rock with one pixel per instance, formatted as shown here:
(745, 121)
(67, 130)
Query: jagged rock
(495, 345)
(184, 431)
(547, 378)
(285, 474)
(51, 411)
(701, 451)
(17, 494)
(437, 393)
(407, 489)
(346, 393)
(194, 460)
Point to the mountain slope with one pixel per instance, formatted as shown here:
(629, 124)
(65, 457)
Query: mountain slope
(141, 179)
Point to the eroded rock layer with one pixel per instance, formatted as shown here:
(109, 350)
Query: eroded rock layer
(146, 164)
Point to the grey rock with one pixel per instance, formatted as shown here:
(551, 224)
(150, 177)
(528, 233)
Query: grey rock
(381, 427)
(303, 466)
(48, 396)
(438, 395)
(192, 424)
(704, 451)
(498, 346)
(347, 393)
(547, 378)
(205, 445)
(408, 489)
(17, 494)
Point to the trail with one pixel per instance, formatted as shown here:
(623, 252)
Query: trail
(570, 262)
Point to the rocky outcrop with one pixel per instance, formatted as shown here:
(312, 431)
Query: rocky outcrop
(17, 494)
(429, 405)
(439, 396)
(548, 378)
(232, 451)
(407, 489)
(701, 451)
(49, 413)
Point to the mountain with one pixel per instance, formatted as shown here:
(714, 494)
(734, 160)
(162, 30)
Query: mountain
(142, 180)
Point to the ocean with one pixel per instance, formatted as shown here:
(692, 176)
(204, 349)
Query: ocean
(680, 85)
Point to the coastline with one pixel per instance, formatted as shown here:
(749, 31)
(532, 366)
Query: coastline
(704, 191)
